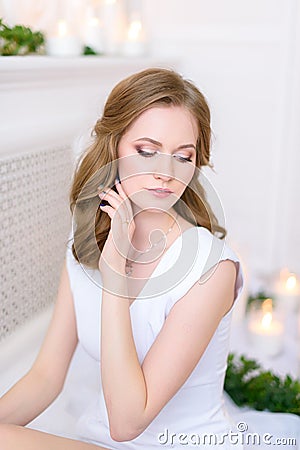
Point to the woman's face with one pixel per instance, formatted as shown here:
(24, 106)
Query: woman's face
(157, 157)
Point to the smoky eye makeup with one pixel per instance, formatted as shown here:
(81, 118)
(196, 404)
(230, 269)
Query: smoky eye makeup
(183, 158)
(145, 153)
(149, 154)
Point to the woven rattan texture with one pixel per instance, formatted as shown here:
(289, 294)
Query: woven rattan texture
(35, 222)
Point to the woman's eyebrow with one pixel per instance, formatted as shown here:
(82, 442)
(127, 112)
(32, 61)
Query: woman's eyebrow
(149, 140)
(159, 144)
(187, 146)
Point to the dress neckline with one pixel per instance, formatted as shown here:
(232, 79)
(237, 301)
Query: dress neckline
(167, 252)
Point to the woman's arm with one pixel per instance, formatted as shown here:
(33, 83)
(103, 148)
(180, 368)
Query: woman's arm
(135, 394)
(34, 392)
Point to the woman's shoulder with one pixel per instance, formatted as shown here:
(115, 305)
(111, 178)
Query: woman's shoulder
(218, 248)
(200, 251)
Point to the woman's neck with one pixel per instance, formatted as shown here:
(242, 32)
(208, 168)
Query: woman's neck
(151, 225)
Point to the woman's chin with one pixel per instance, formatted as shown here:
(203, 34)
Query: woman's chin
(141, 201)
(153, 207)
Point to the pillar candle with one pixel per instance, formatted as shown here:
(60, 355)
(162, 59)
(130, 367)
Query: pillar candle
(62, 43)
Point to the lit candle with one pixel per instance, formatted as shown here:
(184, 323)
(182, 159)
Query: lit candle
(134, 44)
(112, 17)
(265, 332)
(288, 290)
(93, 35)
(62, 43)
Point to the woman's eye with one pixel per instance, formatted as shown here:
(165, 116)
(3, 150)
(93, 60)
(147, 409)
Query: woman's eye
(182, 158)
(148, 154)
(144, 153)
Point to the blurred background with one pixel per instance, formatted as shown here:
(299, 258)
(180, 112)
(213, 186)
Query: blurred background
(244, 57)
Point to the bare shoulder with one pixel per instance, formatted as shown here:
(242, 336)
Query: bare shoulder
(214, 291)
(225, 270)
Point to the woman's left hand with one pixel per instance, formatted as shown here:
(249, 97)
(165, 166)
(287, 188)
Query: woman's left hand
(118, 242)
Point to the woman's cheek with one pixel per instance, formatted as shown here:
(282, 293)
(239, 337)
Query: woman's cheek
(131, 166)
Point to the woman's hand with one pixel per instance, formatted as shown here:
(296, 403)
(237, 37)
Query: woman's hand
(118, 243)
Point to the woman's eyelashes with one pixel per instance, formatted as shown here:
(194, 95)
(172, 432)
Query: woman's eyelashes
(145, 153)
(148, 154)
(182, 158)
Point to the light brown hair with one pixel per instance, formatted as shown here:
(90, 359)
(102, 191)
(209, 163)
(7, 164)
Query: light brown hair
(98, 164)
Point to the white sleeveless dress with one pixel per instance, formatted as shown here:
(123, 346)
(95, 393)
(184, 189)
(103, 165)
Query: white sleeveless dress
(197, 409)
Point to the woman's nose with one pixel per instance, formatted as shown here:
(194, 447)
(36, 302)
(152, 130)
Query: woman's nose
(165, 167)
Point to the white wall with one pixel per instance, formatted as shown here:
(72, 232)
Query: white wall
(242, 56)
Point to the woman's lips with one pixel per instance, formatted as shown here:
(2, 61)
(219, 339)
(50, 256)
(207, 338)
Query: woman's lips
(161, 193)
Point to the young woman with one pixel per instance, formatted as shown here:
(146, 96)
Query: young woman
(148, 285)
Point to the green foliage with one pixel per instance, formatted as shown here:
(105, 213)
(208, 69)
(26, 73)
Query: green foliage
(19, 40)
(89, 51)
(260, 296)
(247, 384)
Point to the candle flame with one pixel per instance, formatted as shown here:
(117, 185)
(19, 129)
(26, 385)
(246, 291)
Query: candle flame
(266, 320)
(267, 305)
(134, 30)
(62, 28)
(291, 282)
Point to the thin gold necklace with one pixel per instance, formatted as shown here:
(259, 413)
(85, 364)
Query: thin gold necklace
(129, 267)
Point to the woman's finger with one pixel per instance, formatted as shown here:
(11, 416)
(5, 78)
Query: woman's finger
(113, 198)
(111, 193)
(121, 190)
(117, 203)
(126, 199)
(109, 210)
(123, 198)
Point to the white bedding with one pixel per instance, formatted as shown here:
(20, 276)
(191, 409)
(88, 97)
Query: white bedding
(19, 351)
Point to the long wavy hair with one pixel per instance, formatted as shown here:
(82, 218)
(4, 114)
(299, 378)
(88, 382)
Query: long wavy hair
(98, 164)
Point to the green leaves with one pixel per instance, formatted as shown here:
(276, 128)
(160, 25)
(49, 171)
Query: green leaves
(19, 40)
(89, 51)
(247, 384)
(260, 296)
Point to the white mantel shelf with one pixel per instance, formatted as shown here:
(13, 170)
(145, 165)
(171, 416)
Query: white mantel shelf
(49, 101)
(40, 69)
